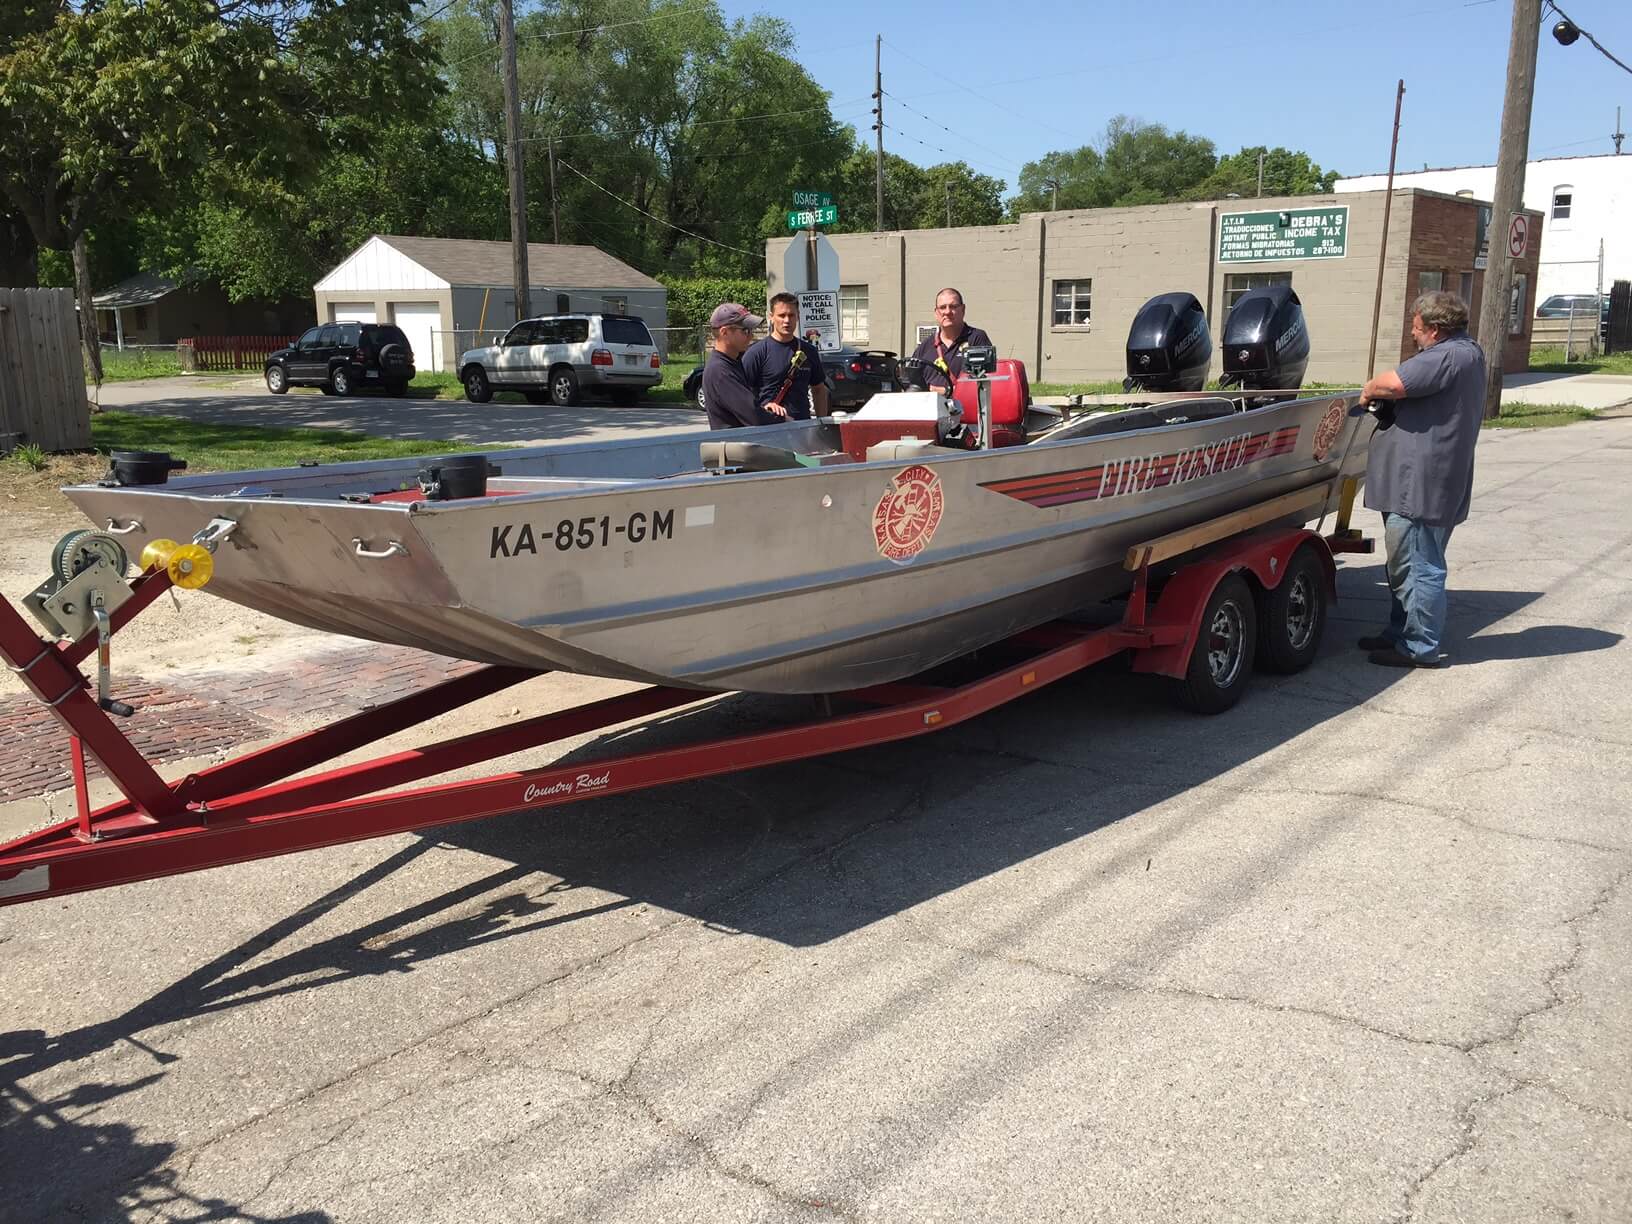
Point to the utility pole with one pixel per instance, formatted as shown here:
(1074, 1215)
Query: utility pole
(512, 157)
(555, 217)
(948, 186)
(1509, 194)
(1619, 135)
(1053, 185)
(878, 126)
(1382, 252)
(1261, 166)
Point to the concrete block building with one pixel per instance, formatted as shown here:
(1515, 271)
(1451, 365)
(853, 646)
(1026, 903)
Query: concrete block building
(450, 294)
(1059, 289)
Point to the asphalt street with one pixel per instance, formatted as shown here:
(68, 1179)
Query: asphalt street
(1354, 951)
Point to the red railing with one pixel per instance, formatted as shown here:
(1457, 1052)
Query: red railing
(232, 352)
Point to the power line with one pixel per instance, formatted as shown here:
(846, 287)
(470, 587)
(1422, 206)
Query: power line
(627, 204)
(652, 127)
(989, 101)
(951, 133)
(905, 136)
(1603, 50)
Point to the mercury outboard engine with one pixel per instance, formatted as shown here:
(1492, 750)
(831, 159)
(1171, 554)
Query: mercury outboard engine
(1266, 342)
(1169, 346)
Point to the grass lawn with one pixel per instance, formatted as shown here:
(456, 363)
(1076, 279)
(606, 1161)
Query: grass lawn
(445, 385)
(132, 364)
(1539, 416)
(228, 448)
(1551, 361)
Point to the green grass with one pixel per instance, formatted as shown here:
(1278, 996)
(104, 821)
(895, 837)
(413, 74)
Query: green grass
(229, 448)
(28, 456)
(1539, 416)
(1551, 361)
(132, 364)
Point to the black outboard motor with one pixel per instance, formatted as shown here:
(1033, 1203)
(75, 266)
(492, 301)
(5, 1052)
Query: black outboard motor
(1266, 341)
(1169, 346)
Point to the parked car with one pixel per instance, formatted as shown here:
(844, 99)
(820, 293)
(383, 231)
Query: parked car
(344, 357)
(555, 358)
(1560, 306)
(854, 376)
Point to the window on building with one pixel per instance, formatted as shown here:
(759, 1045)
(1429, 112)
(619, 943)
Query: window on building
(1464, 289)
(1563, 202)
(1073, 303)
(616, 305)
(854, 325)
(563, 303)
(1237, 283)
(1430, 282)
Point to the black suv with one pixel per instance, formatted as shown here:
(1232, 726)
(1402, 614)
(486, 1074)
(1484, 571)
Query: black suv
(342, 358)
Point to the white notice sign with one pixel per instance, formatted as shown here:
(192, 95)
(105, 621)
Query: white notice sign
(819, 319)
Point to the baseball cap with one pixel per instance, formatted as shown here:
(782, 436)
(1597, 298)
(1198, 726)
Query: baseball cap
(733, 314)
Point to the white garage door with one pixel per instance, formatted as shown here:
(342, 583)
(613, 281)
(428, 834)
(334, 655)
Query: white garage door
(420, 321)
(352, 312)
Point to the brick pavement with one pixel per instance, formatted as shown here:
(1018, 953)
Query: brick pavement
(196, 713)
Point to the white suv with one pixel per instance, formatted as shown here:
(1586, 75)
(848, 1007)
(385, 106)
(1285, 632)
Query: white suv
(553, 359)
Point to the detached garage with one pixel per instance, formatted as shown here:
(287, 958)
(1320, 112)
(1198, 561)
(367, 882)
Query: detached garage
(451, 294)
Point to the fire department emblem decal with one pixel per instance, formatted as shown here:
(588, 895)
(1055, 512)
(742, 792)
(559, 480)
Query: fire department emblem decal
(906, 516)
(1330, 426)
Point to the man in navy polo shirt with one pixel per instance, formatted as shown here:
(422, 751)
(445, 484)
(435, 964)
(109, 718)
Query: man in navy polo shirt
(768, 361)
(728, 395)
(951, 340)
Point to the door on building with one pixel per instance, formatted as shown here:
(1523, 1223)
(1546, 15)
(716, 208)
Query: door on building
(352, 312)
(420, 322)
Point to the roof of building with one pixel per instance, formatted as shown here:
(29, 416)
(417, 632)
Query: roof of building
(1480, 166)
(139, 290)
(470, 261)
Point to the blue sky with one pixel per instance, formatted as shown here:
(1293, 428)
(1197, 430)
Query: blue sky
(999, 84)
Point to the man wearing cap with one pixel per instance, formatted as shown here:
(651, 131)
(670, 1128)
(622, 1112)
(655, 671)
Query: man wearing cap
(950, 342)
(770, 364)
(728, 394)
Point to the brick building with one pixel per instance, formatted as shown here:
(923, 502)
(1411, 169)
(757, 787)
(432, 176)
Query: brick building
(1059, 289)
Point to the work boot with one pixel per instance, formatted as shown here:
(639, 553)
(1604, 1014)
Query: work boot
(1376, 641)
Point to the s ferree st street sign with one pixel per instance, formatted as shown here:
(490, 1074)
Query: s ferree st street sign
(809, 218)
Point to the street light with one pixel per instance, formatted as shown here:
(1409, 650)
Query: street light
(1053, 185)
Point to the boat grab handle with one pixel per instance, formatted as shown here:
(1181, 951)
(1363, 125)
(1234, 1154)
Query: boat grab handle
(113, 529)
(394, 549)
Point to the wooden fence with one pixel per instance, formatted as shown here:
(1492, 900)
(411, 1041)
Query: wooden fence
(42, 374)
(230, 352)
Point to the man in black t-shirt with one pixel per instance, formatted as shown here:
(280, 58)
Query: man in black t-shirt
(768, 363)
(951, 340)
(728, 395)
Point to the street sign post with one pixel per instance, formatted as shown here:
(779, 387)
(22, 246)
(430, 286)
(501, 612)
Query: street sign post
(808, 218)
(1518, 235)
(798, 274)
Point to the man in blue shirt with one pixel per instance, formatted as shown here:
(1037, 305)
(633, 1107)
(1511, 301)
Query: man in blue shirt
(1419, 473)
(951, 340)
(728, 395)
(768, 362)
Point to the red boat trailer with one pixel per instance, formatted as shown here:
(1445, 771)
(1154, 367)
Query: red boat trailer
(248, 808)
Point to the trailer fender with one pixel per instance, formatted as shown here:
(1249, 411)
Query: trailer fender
(1262, 556)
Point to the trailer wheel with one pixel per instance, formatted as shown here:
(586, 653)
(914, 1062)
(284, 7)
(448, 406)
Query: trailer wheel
(1293, 615)
(1221, 662)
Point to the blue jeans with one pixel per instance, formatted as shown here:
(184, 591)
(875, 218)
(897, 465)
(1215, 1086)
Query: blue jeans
(1416, 582)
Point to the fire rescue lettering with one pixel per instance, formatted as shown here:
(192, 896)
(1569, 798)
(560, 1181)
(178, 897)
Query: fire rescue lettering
(1142, 472)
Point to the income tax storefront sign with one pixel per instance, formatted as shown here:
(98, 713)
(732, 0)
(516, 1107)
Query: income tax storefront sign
(1293, 233)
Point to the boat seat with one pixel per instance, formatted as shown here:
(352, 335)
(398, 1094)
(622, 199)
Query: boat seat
(748, 457)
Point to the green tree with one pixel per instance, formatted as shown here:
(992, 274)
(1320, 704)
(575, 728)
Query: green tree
(1286, 172)
(112, 108)
(915, 197)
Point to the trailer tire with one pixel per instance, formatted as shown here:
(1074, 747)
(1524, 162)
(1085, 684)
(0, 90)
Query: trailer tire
(1221, 661)
(1292, 617)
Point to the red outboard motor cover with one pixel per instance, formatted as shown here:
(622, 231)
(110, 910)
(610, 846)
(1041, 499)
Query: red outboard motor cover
(1009, 400)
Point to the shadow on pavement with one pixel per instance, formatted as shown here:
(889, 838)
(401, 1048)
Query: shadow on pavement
(413, 418)
(55, 1163)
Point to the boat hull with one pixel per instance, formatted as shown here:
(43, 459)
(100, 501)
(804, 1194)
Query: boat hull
(624, 560)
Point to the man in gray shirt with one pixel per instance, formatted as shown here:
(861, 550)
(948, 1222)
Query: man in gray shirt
(1419, 473)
